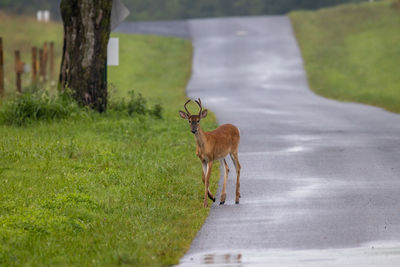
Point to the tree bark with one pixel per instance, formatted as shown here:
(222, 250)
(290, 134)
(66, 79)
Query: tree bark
(86, 34)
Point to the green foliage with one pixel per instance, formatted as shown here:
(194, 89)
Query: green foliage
(38, 105)
(351, 52)
(156, 111)
(182, 9)
(31, 6)
(136, 105)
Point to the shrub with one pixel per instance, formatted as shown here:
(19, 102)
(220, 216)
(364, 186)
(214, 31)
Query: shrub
(156, 111)
(136, 105)
(38, 105)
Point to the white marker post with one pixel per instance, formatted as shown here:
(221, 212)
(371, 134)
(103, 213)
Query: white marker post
(118, 13)
(46, 16)
(113, 52)
(43, 15)
(39, 15)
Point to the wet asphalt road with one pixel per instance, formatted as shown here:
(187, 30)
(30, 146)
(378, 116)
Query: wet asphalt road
(320, 179)
(174, 28)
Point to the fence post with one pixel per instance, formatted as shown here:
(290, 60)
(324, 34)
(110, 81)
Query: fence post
(52, 60)
(18, 70)
(41, 67)
(34, 64)
(44, 60)
(1, 68)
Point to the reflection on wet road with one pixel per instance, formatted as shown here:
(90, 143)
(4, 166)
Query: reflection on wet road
(366, 256)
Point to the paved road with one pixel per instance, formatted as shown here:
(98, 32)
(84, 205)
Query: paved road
(320, 179)
(174, 28)
(316, 174)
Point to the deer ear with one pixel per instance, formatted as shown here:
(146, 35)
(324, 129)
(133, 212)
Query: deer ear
(203, 114)
(183, 115)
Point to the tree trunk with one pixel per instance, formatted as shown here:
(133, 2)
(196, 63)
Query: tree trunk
(86, 34)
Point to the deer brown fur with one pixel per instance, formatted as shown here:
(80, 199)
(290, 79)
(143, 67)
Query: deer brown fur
(214, 145)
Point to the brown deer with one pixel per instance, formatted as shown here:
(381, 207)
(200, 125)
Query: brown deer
(214, 145)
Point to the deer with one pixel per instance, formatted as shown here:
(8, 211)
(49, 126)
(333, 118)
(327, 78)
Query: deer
(212, 146)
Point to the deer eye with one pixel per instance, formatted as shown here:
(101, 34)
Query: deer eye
(198, 121)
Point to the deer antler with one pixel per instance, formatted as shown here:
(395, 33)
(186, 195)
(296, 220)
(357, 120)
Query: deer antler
(199, 103)
(187, 111)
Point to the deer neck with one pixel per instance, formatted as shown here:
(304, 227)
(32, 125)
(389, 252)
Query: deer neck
(201, 138)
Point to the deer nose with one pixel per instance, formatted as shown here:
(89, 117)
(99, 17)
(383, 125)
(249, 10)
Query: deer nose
(194, 131)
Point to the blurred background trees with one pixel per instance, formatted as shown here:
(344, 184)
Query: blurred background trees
(182, 9)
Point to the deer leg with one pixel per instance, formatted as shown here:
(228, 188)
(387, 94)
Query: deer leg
(207, 183)
(226, 171)
(234, 157)
(204, 165)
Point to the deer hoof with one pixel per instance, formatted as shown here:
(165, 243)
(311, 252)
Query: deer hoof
(222, 202)
(223, 197)
(205, 204)
(213, 199)
(237, 202)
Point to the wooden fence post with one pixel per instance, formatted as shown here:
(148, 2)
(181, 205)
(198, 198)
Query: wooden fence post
(44, 60)
(34, 64)
(52, 60)
(41, 67)
(18, 70)
(1, 68)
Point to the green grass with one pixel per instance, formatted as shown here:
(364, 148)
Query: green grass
(160, 69)
(110, 189)
(351, 52)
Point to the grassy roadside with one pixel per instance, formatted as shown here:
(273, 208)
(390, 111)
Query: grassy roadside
(107, 190)
(351, 52)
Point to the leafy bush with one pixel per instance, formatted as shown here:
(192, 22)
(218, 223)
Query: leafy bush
(156, 111)
(136, 105)
(38, 105)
